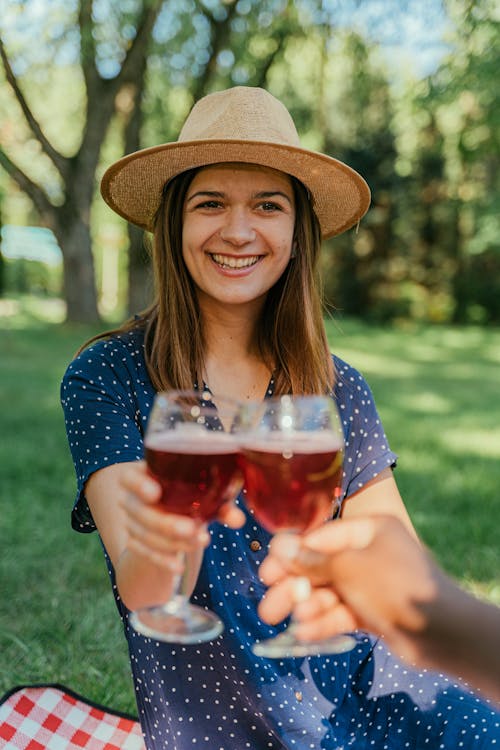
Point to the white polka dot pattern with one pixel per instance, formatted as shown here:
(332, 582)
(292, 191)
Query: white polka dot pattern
(219, 695)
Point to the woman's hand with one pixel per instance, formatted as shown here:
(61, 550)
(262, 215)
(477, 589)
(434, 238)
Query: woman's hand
(160, 536)
(147, 545)
(154, 534)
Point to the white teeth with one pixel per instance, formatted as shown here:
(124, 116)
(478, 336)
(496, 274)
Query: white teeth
(227, 262)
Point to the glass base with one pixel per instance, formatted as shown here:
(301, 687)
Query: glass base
(177, 622)
(286, 645)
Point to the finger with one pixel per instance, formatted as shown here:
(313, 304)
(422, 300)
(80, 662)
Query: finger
(277, 602)
(153, 518)
(162, 544)
(299, 560)
(285, 546)
(342, 534)
(170, 561)
(234, 488)
(136, 479)
(319, 602)
(330, 623)
(231, 515)
(271, 570)
(163, 531)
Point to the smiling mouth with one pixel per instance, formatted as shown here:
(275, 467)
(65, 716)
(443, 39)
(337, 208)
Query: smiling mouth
(226, 261)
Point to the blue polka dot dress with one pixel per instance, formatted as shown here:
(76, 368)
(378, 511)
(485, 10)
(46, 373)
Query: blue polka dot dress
(219, 695)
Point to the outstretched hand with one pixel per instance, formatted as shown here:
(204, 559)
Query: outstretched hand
(367, 573)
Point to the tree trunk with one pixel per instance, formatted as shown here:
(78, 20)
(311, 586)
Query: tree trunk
(78, 271)
(71, 221)
(460, 282)
(140, 281)
(2, 261)
(140, 286)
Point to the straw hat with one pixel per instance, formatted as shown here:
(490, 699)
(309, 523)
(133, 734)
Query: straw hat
(240, 124)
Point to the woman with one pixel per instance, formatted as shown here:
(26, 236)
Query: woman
(237, 209)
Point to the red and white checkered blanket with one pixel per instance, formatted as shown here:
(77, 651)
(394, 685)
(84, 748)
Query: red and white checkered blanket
(51, 717)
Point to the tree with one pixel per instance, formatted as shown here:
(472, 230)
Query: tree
(191, 50)
(2, 261)
(70, 220)
(458, 162)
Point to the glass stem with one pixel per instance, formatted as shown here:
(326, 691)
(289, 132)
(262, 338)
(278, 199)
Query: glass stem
(179, 596)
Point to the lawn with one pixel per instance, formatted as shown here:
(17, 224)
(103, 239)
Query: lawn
(438, 392)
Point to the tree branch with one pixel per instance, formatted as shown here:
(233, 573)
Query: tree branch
(219, 36)
(34, 191)
(101, 93)
(59, 161)
(282, 32)
(137, 49)
(87, 45)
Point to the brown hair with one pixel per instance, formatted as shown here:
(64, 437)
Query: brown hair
(291, 335)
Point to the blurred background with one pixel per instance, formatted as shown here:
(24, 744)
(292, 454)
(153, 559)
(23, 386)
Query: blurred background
(406, 92)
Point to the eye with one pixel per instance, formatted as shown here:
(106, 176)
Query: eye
(209, 204)
(269, 206)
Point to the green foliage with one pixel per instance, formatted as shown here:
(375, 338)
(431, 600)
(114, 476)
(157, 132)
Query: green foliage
(23, 276)
(2, 259)
(429, 147)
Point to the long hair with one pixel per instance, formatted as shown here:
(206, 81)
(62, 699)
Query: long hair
(290, 334)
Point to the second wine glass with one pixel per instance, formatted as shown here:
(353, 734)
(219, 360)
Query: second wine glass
(291, 453)
(195, 461)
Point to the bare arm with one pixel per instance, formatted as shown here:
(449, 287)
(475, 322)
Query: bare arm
(381, 497)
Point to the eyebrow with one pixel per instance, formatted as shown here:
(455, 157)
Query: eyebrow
(218, 194)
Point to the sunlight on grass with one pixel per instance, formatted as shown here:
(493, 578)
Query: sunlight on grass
(25, 311)
(484, 443)
(438, 394)
(427, 401)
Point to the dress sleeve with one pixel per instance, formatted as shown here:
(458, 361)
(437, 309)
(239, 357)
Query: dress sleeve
(102, 418)
(367, 450)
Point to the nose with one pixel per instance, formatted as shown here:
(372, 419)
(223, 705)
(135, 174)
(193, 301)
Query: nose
(237, 228)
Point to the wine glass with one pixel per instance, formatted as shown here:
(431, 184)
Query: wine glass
(195, 462)
(291, 453)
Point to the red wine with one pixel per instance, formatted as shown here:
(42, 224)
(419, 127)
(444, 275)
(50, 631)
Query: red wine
(195, 473)
(291, 484)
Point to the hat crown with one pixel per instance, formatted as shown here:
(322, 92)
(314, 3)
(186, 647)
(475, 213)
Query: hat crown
(242, 113)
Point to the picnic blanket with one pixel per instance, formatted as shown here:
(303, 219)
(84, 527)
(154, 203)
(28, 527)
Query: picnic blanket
(52, 717)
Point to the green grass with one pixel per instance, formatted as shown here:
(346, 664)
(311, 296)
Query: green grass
(437, 390)
(58, 622)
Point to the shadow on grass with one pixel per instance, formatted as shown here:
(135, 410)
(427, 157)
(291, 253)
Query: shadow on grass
(437, 391)
(58, 621)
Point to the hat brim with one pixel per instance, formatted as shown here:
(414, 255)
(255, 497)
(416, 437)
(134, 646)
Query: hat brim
(133, 185)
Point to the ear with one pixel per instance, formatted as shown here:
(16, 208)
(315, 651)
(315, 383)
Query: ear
(293, 254)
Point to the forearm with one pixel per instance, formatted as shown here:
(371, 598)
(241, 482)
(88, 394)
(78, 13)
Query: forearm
(462, 636)
(380, 496)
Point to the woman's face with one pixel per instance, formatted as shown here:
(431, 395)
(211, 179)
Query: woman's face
(238, 226)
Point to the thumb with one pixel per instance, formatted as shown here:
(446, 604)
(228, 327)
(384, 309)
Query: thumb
(341, 535)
